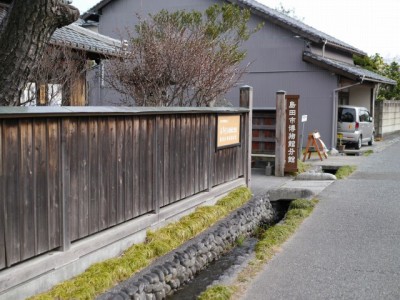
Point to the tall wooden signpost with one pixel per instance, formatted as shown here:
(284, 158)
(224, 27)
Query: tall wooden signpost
(287, 118)
(292, 139)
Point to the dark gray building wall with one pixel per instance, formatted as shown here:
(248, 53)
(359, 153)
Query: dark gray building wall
(275, 55)
(121, 14)
(98, 92)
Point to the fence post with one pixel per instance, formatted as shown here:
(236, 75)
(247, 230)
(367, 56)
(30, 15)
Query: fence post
(156, 170)
(65, 189)
(246, 101)
(280, 134)
(210, 155)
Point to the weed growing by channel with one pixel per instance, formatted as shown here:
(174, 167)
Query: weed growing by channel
(240, 240)
(368, 152)
(217, 292)
(102, 276)
(345, 171)
(276, 235)
(302, 166)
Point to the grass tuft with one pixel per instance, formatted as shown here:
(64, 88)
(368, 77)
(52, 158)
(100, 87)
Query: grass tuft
(302, 166)
(368, 152)
(275, 236)
(217, 292)
(345, 171)
(100, 277)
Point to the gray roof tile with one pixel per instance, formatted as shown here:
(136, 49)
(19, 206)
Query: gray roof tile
(352, 71)
(81, 38)
(77, 37)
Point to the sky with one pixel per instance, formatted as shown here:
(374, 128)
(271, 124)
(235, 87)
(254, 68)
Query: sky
(369, 25)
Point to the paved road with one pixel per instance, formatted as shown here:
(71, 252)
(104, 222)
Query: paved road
(350, 247)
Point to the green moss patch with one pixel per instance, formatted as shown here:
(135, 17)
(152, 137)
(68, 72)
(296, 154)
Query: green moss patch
(217, 292)
(345, 171)
(368, 152)
(104, 275)
(276, 235)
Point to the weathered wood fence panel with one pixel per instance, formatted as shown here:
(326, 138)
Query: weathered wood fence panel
(66, 175)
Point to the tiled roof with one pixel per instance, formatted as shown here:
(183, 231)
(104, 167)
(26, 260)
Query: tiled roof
(345, 69)
(77, 37)
(274, 16)
(80, 38)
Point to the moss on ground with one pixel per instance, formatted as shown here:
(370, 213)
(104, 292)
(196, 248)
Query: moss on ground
(104, 275)
(345, 171)
(368, 152)
(217, 292)
(276, 235)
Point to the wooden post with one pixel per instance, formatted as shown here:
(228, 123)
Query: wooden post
(246, 101)
(65, 188)
(211, 151)
(280, 134)
(41, 94)
(156, 166)
(78, 91)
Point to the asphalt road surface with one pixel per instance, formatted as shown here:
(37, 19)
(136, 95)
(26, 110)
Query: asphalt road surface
(350, 246)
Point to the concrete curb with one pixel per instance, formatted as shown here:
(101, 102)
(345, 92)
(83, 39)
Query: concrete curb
(315, 176)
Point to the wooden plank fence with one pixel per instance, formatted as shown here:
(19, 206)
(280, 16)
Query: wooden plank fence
(67, 173)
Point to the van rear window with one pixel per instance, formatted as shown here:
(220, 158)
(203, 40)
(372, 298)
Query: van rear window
(346, 114)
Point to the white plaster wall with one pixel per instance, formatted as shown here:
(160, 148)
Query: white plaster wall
(360, 96)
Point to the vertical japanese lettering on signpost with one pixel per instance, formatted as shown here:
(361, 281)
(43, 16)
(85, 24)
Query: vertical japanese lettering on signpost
(292, 112)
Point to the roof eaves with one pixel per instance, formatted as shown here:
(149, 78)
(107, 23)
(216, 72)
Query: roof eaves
(350, 71)
(79, 38)
(95, 8)
(95, 35)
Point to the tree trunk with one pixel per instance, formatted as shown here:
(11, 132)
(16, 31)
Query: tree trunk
(23, 36)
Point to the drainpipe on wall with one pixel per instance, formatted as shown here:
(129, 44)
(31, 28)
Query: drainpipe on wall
(335, 109)
(375, 93)
(323, 48)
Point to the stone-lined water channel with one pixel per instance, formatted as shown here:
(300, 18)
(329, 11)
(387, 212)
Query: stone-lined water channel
(224, 267)
(212, 256)
(228, 265)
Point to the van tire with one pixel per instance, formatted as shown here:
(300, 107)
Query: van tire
(359, 143)
(371, 142)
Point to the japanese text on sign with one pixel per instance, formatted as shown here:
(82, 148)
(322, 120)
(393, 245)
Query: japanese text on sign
(291, 133)
(228, 131)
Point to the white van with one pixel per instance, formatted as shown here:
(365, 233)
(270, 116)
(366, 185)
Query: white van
(355, 125)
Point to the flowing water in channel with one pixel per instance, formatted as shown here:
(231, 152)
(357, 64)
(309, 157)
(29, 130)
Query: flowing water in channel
(223, 266)
(227, 264)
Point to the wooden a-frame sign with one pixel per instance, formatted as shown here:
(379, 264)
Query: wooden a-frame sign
(314, 140)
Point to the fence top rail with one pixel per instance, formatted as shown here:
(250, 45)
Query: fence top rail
(68, 111)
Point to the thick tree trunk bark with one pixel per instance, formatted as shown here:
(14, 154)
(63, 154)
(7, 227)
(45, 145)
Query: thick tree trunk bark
(23, 36)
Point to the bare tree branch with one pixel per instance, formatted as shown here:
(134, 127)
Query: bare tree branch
(182, 59)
